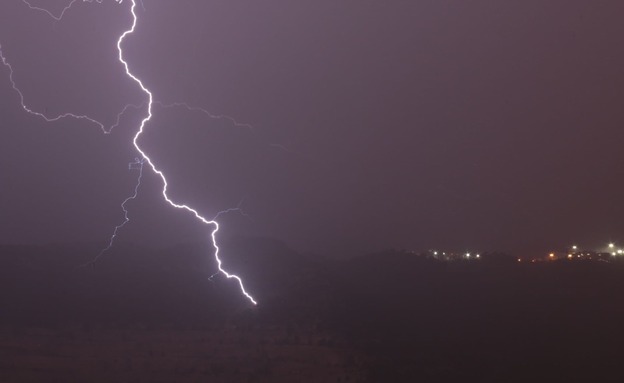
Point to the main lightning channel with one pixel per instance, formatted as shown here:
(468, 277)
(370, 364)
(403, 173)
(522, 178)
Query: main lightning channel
(147, 159)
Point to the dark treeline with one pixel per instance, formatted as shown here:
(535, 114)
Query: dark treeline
(406, 317)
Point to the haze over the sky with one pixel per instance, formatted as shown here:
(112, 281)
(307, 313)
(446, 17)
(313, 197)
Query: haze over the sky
(376, 124)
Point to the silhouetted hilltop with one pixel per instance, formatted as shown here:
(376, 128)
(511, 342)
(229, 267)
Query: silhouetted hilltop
(409, 317)
(179, 283)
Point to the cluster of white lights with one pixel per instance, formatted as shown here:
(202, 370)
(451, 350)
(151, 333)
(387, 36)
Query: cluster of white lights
(455, 255)
(615, 252)
(575, 252)
(612, 249)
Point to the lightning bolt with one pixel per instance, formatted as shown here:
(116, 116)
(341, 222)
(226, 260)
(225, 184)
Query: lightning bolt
(238, 209)
(137, 164)
(147, 159)
(66, 8)
(59, 17)
(144, 157)
(232, 120)
(58, 117)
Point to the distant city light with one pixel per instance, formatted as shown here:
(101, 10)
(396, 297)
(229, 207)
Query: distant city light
(574, 252)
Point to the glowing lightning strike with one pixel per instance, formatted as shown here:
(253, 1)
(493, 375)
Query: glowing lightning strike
(60, 116)
(238, 209)
(57, 18)
(207, 113)
(139, 162)
(147, 159)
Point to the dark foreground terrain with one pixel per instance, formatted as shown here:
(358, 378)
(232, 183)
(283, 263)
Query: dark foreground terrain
(144, 315)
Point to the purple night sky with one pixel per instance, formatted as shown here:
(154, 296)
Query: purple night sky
(413, 124)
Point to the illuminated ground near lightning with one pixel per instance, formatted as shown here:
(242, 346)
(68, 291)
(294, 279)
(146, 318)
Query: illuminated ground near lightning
(145, 158)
